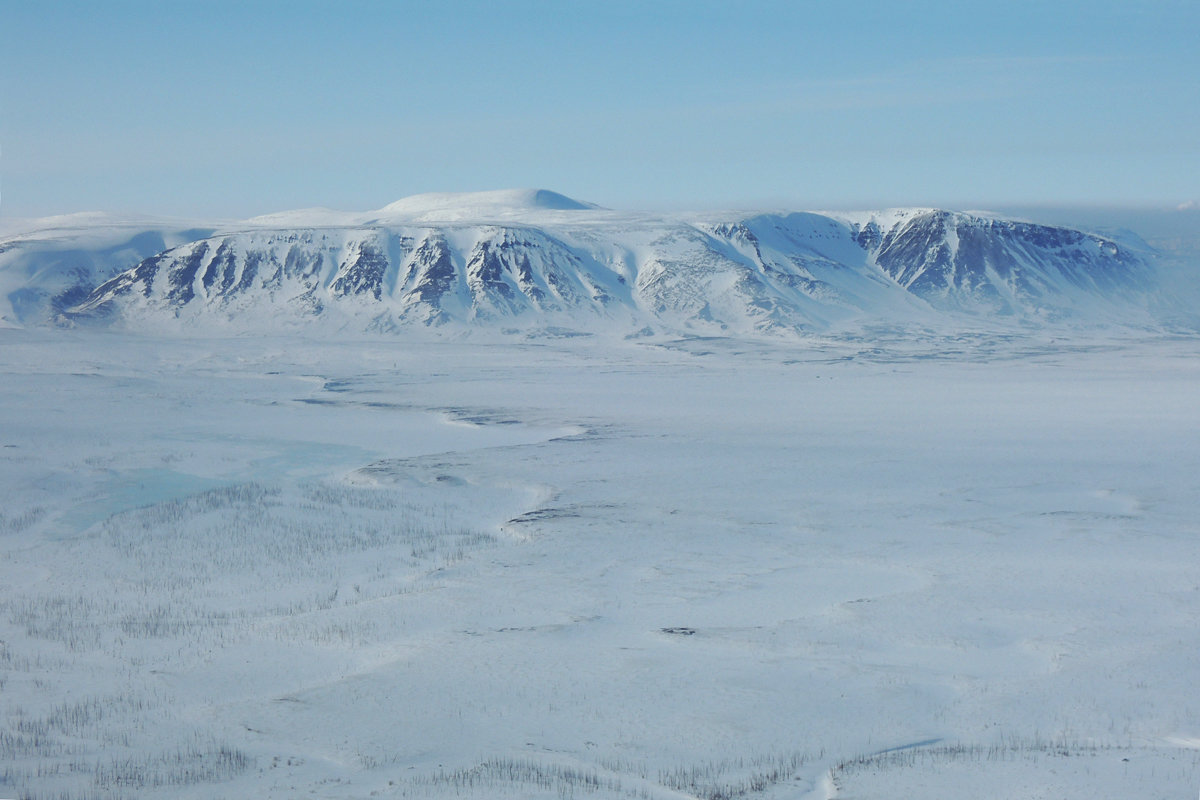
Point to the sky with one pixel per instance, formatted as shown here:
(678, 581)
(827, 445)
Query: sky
(231, 109)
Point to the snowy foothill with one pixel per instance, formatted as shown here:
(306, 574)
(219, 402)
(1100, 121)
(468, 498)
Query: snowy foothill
(854, 566)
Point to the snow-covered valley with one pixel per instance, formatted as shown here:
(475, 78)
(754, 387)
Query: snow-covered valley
(904, 564)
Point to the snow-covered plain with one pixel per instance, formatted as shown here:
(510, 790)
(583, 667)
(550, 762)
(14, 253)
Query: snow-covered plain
(951, 566)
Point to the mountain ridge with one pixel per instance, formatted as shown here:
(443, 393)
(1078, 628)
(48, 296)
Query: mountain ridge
(528, 258)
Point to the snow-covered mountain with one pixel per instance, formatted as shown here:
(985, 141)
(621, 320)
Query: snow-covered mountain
(535, 259)
(49, 265)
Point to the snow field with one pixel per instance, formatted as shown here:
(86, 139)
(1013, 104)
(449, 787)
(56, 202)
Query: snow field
(701, 568)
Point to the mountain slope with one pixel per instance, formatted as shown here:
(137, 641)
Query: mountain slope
(533, 258)
(49, 265)
(957, 261)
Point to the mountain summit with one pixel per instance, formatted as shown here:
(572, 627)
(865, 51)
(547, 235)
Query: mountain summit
(466, 204)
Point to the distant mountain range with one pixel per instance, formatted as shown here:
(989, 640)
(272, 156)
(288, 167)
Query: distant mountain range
(537, 260)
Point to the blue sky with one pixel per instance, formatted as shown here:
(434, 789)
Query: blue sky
(234, 109)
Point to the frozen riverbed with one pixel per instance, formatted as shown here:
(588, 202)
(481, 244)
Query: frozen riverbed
(966, 566)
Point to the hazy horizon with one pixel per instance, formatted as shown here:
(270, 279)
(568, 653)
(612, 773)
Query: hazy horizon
(228, 110)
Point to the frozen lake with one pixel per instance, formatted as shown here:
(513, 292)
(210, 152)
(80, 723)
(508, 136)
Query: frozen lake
(952, 567)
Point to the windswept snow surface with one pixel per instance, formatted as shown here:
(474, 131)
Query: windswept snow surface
(954, 567)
